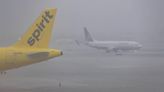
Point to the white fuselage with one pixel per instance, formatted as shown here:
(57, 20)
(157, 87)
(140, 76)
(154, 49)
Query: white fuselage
(110, 46)
(115, 45)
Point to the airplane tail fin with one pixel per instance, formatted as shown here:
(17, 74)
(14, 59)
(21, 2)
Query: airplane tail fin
(39, 34)
(88, 36)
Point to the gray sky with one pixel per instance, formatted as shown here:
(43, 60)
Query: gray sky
(92, 71)
(139, 20)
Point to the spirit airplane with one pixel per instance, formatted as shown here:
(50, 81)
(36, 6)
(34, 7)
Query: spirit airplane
(33, 45)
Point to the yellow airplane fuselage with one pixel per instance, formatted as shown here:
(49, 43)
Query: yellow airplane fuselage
(11, 57)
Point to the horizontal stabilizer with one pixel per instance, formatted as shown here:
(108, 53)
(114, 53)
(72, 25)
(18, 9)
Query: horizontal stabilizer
(38, 55)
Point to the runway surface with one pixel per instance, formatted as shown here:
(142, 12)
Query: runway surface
(93, 71)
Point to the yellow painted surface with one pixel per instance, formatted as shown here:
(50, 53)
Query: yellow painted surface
(33, 46)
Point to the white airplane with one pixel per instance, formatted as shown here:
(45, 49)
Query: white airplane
(110, 46)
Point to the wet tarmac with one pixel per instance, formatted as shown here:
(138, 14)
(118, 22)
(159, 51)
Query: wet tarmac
(90, 72)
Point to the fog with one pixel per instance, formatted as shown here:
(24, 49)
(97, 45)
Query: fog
(83, 69)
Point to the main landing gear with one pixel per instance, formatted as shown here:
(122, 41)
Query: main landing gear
(3, 73)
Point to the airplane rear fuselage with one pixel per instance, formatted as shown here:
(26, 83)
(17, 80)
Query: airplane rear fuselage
(16, 57)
